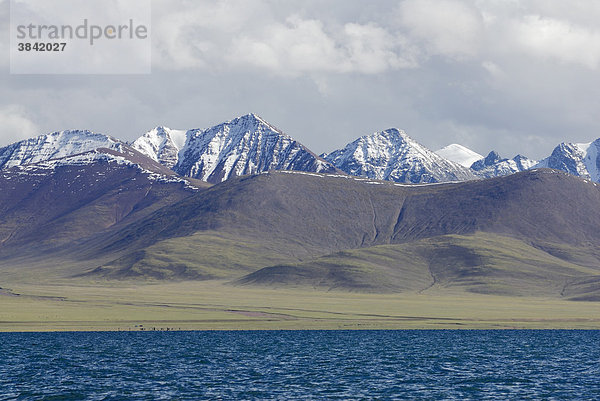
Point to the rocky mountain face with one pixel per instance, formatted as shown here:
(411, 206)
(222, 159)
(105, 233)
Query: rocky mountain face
(392, 155)
(245, 145)
(44, 154)
(53, 146)
(495, 166)
(578, 159)
(249, 144)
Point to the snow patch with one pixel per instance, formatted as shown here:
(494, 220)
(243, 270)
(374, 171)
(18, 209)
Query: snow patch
(459, 154)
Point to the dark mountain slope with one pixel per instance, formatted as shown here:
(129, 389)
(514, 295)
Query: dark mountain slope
(537, 205)
(297, 217)
(61, 201)
(336, 212)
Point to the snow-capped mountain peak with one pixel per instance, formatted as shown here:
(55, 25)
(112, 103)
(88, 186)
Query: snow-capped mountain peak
(53, 146)
(162, 144)
(492, 158)
(591, 160)
(579, 159)
(524, 163)
(393, 155)
(493, 165)
(249, 144)
(459, 154)
(244, 145)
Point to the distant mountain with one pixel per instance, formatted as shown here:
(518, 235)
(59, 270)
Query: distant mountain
(459, 154)
(393, 156)
(245, 145)
(161, 144)
(55, 145)
(249, 144)
(578, 159)
(495, 166)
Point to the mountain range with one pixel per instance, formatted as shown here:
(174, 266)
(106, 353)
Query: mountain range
(249, 144)
(392, 155)
(245, 145)
(211, 204)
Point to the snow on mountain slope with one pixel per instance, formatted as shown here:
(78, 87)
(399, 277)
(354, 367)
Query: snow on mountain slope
(125, 156)
(494, 166)
(161, 144)
(392, 155)
(53, 146)
(459, 154)
(579, 159)
(248, 145)
(245, 145)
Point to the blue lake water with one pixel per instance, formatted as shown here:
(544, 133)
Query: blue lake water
(451, 365)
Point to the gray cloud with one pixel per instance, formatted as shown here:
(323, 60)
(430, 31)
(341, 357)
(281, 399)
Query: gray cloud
(515, 76)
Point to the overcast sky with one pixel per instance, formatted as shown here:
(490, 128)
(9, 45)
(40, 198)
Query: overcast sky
(514, 76)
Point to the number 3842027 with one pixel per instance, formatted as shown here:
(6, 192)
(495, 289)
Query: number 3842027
(41, 46)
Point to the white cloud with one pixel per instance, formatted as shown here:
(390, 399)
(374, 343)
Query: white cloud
(559, 40)
(220, 36)
(444, 27)
(372, 49)
(15, 124)
(304, 46)
(295, 39)
(296, 46)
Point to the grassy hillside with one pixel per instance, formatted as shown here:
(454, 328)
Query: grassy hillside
(481, 263)
(200, 256)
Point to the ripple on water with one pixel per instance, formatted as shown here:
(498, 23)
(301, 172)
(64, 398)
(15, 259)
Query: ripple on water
(453, 365)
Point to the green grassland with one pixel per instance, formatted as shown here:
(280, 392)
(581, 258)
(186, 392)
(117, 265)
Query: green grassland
(212, 281)
(208, 305)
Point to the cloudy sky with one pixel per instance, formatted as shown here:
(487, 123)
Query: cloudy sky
(515, 76)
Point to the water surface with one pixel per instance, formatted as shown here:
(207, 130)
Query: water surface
(403, 364)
